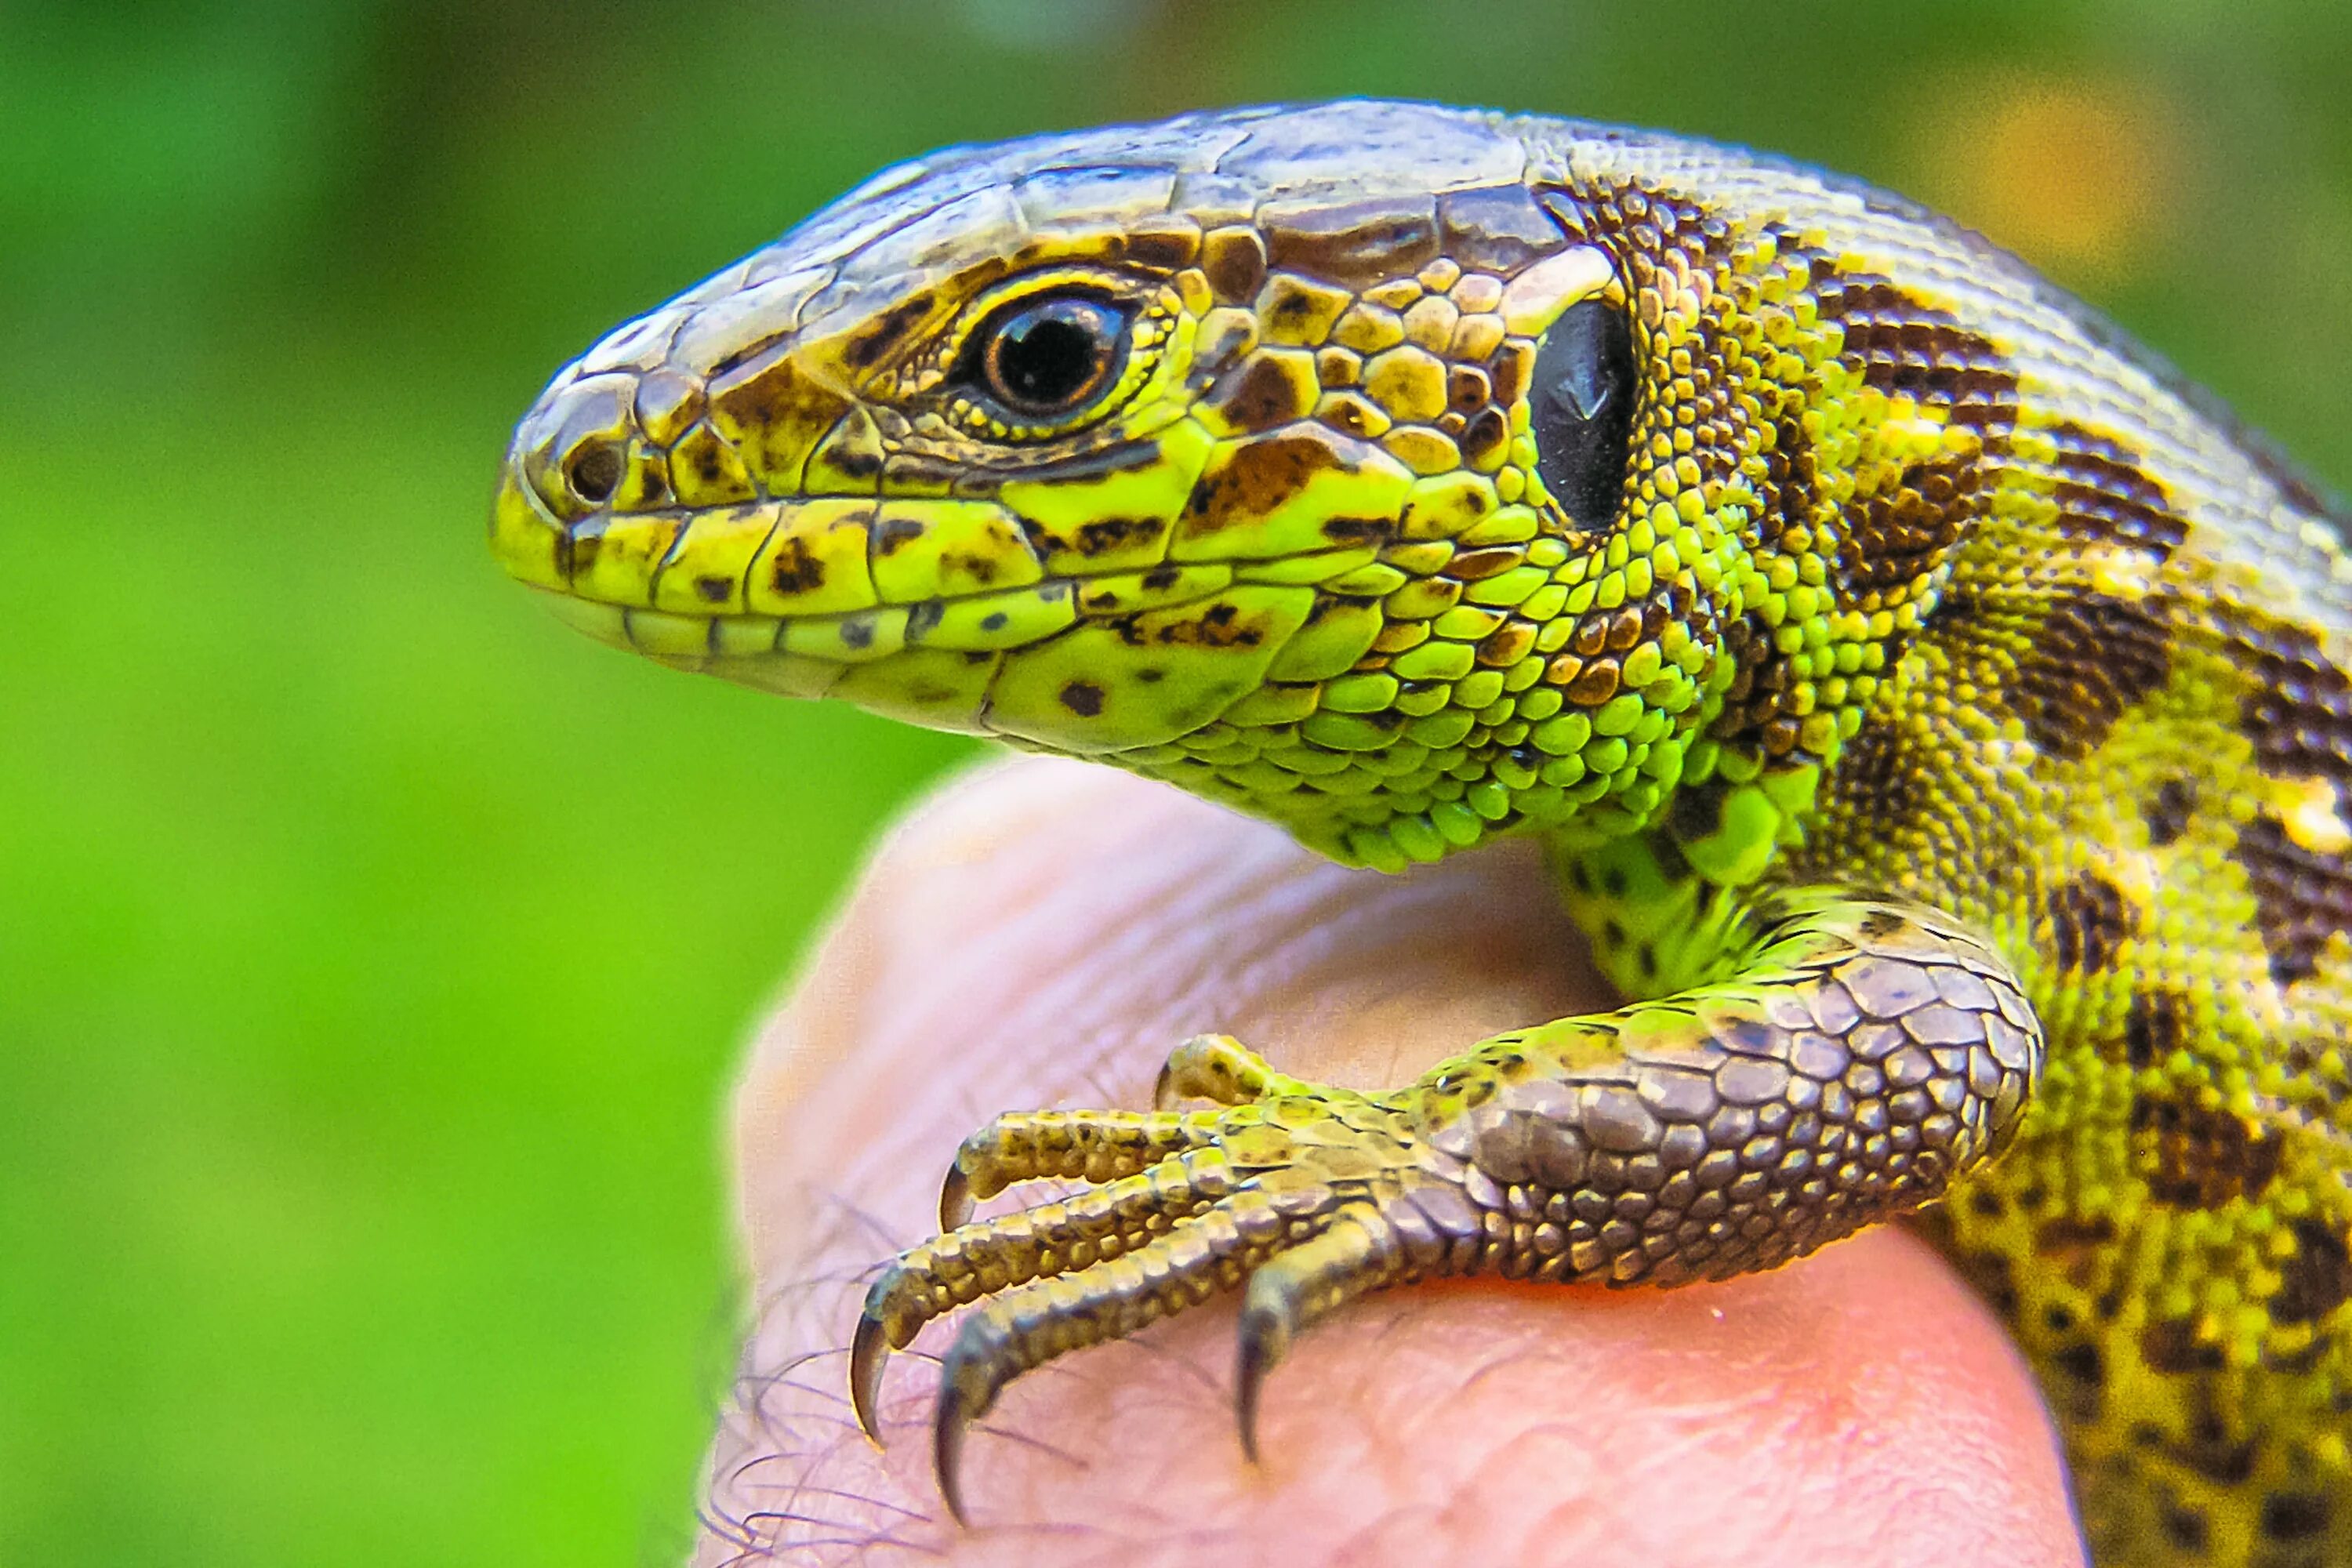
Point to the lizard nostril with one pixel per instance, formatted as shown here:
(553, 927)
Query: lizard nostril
(595, 471)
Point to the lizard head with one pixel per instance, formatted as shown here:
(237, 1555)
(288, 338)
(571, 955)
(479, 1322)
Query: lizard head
(1342, 464)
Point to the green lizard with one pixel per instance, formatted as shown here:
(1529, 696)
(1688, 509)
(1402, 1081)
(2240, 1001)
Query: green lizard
(1938, 714)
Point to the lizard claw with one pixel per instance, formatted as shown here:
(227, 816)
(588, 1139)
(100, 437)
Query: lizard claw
(1263, 1337)
(955, 1198)
(947, 1447)
(870, 1352)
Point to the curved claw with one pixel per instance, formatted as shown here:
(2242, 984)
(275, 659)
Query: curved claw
(870, 1352)
(955, 1198)
(1163, 1089)
(1264, 1338)
(947, 1447)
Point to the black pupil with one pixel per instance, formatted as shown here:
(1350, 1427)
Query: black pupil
(1047, 356)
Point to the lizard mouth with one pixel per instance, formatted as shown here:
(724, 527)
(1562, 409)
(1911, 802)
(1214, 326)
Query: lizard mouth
(958, 614)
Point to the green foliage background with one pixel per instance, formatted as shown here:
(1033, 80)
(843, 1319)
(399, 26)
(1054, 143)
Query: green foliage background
(372, 950)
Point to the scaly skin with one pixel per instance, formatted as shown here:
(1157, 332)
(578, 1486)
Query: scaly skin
(1939, 717)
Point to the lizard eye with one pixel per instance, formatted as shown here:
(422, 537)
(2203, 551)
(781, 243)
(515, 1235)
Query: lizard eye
(1044, 357)
(1584, 410)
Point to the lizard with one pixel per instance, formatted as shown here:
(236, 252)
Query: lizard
(1937, 715)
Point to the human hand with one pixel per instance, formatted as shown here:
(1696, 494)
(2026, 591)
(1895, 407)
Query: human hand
(1042, 933)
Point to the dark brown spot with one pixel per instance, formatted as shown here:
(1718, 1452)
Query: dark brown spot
(1596, 685)
(1349, 414)
(1495, 228)
(2154, 1027)
(1790, 478)
(1217, 625)
(2169, 811)
(1262, 395)
(1697, 812)
(896, 533)
(714, 590)
(1477, 566)
(1467, 388)
(2215, 1453)
(1353, 243)
(1900, 344)
(2086, 1370)
(1234, 262)
(888, 331)
(1264, 473)
(1162, 577)
(2185, 1528)
(2301, 898)
(1485, 433)
(1083, 698)
(2298, 713)
(1510, 369)
(795, 569)
(1102, 535)
(2294, 1516)
(2171, 1345)
(1880, 924)
(737, 358)
(2092, 658)
(2088, 920)
(2073, 1244)
(2197, 1157)
(2103, 494)
(1893, 538)
(855, 462)
(2318, 1278)
(1356, 530)
(769, 399)
(1164, 248)
(976, 568)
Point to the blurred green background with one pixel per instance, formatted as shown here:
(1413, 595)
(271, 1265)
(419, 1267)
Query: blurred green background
(372, 950)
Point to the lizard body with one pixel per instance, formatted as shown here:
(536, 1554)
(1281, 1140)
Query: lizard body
(1938, 716)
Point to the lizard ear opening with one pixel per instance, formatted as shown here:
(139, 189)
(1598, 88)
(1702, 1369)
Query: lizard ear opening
(1582, 410)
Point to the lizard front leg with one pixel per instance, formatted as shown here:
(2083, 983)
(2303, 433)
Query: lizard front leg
(1861, 1053)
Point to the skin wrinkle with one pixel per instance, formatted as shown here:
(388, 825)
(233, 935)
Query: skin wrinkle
(1042, 933)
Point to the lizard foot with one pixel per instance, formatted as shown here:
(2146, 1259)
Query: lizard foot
(1311, 1195)
(1865, 1053)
